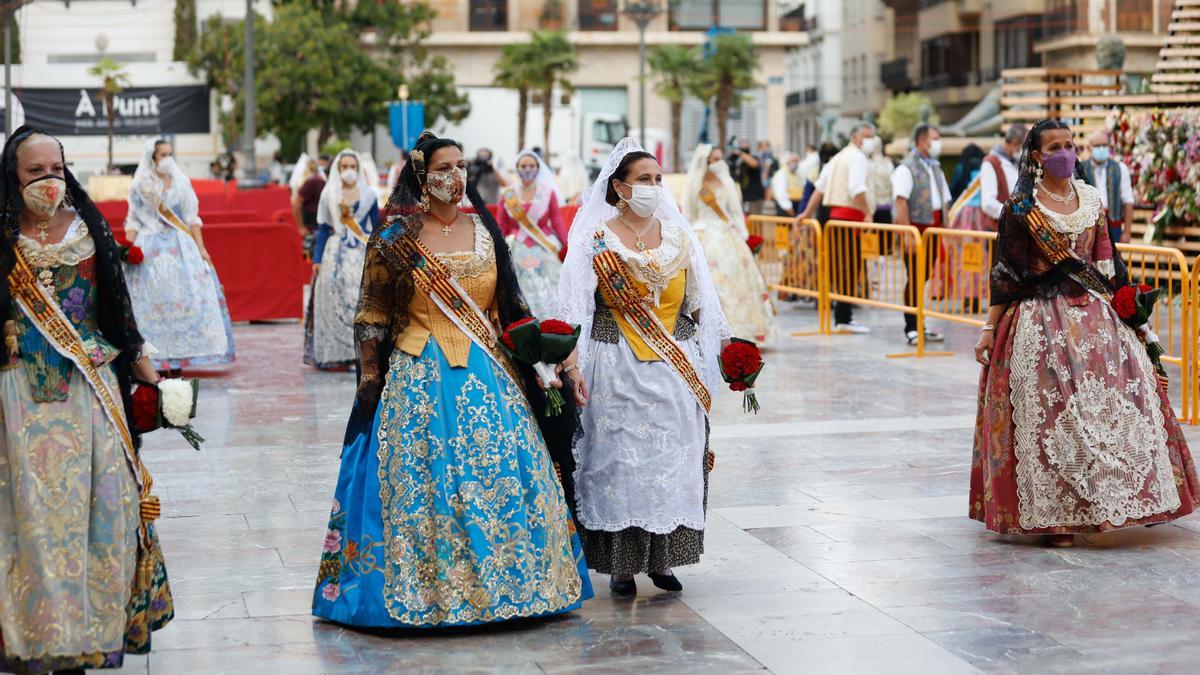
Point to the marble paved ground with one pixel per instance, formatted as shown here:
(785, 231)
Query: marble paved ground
(837, 541)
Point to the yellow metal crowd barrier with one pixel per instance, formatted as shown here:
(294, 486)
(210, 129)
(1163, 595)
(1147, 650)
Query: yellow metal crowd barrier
(870, 264)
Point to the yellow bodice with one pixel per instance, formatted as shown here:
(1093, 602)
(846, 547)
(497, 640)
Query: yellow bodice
(667, 311)
(475, 271)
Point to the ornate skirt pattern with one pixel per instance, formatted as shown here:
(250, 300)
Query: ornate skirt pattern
(178, 302)
(68, 541)
(740, 286)
(329, 321)
(1074, 434)
(449, 512)
(537, 275)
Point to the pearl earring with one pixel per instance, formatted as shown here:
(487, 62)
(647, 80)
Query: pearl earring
(1039, 172)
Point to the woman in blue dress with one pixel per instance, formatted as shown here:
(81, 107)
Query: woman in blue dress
(447, 510)
(347, 214)
(176, 294)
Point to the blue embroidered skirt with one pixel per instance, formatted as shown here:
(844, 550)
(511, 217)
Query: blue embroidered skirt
(447, 511)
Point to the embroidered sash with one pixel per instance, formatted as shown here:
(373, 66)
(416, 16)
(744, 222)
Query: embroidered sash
(512, 204)
(618, 287)
(173, 220)
(44, 312)
(966, 196)
(710, 200)
(435, 279)
(1057, 249)
(351, 224)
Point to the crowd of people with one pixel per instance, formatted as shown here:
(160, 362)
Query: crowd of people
(461, 497)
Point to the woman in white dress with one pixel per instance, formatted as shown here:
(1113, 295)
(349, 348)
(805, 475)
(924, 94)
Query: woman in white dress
(529, 218)
(637, 282)
(177, 296)
(346, 216)
(712, 204)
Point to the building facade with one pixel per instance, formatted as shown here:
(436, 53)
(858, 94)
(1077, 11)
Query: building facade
(954, 50)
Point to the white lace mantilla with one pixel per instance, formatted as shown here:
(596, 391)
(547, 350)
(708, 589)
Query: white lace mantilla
(1103, 457)
(1075, 223)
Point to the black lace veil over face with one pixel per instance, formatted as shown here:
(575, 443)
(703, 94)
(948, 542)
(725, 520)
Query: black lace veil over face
(114, 311)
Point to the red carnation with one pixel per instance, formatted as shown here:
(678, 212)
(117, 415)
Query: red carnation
(556, 327)
(135, 256)
(1145, 288)
(507, 337)
(145, 408)
(741, 359)
(1125, 302)
(755, 243)
(738, 386)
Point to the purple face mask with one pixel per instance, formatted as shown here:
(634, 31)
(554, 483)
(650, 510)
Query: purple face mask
(1061, 164)
(527, 175)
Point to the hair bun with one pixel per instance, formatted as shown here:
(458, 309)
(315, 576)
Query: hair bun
(425, 137)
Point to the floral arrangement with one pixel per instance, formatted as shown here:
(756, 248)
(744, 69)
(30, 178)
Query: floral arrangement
(1135, 306)
(169, 404)
(755, 243)
(130, 254)
(542, 345)
(741, 362)
(1162, 150)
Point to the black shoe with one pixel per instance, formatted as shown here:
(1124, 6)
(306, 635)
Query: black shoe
(622, 589)
(667, 582)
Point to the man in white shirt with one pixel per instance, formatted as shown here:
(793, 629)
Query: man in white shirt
(842, 187)
(787, 185)
(1111, 178)
(922, 199)
(998, 173)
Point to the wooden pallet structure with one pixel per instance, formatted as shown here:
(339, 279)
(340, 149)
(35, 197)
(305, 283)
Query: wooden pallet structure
(1082, 98)
(1178, 68)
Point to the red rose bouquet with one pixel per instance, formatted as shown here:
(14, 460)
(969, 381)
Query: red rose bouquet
(1135, 306)
(169, 404)
(130, 254)
(741, 362)
(542, 346)
(755, 243)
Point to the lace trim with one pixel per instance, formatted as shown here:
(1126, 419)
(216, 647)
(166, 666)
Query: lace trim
(657, 266)
(75, 247)
(1084, 216)
(1095, 461)
(470, 264)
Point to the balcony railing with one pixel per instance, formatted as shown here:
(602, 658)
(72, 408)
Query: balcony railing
(966, 78)
(894, 74)
(810, 95)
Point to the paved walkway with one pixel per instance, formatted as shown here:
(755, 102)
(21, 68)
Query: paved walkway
(837, 541)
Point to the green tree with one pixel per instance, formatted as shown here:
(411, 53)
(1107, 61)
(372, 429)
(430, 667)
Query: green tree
(902, 112)
(185, 29)
(556, 59)
(515, 70)
(726, 72)
(113, 80)
(675, 66)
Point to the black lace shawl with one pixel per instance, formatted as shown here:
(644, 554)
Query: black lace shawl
(1021, 269)
(387, 290)
(114, 310)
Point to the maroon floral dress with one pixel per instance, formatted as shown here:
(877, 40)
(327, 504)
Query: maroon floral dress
(1074, 434)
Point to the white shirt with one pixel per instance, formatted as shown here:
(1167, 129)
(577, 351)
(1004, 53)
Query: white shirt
(856, 174)
(810, 166)
(1101, 173)
(988, 186)
(902, 185)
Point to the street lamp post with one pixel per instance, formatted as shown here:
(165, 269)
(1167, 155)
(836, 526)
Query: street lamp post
(642, 13)
(251, 163)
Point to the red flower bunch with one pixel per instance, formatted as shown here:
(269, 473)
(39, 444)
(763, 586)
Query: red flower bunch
(145, 408)
(556, 327)
(507, 337)
(755, 243)
(130, 254)
(741, 363)
(1125, 302)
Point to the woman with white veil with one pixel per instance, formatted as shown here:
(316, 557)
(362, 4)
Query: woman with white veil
(177, 297)
(712, 204)
(529, 217)
(637, 282)
(347, 215)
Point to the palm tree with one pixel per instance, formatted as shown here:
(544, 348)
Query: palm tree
(554, 59)
(726, 72)
(514, 70)
(675, 66)
(113, 80)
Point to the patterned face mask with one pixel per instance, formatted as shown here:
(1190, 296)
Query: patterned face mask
(447, 186)
(44, 195)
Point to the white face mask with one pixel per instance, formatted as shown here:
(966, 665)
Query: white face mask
(869, 145)
(719, 168)
(165, 165)
(644, 200)
(349, 176)
(935, 148)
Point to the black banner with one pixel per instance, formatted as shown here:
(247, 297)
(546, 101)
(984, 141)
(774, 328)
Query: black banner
(140, 110)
